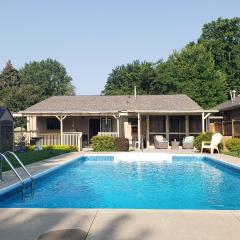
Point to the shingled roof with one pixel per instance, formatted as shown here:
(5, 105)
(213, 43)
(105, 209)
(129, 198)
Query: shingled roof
(95, 104)
(228, 105)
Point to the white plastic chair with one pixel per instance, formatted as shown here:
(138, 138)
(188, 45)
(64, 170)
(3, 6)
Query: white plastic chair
(216, 139)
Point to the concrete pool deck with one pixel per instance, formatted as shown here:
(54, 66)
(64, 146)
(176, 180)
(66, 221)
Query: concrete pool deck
(115, 224)
(29, 224)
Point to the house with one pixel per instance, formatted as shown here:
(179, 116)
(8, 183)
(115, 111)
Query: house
(227, 120)
(62, 119)
(6, 130)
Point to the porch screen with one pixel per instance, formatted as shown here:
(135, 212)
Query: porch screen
(157, 124)
(177, 124)
(106, 125)
(195, 124)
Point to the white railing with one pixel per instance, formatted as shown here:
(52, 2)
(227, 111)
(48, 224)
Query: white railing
(49, 139)
(24, 136)
(68, 138)
(110, 134)
(72, 139)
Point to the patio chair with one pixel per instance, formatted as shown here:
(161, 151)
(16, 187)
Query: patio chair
(188, 142)
(160, 142)
(216, 139)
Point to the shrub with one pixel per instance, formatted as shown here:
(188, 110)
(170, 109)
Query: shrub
(204, 137)
(103, 143)
(61, 147)
(30, 148)
(122, 144)
(54, 147)
(233, 144)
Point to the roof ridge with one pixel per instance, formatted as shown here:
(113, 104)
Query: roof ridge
(127, 95)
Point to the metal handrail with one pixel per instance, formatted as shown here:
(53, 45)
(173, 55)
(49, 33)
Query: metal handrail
(16, 173)
(24, 168)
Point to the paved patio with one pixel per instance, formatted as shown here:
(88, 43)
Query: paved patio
(26, 224)
(29, 224)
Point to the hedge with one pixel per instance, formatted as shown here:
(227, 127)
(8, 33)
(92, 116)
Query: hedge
(233, 144)
(109, 144)
(204, 137)
(54, 147)
(103, 144)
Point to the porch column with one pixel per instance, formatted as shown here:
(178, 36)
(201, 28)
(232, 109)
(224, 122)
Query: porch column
(139, 131)
(147, 131)
(61, 118)
(204, 118)
(167, 127)
(118, 126)
(203, 123)
(187, 124)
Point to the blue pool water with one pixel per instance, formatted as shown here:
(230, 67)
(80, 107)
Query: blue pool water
(184, 183)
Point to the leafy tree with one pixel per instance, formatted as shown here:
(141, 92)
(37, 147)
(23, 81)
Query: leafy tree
(9, 76)
(34, 82)
(191, 71)
(123, 79)
(222, 39)
(47, 77)
(9, 85)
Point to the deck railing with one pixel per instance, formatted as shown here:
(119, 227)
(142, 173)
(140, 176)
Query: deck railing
(111, 134)
(50, 139)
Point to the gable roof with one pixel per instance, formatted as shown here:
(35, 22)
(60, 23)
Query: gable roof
(3, 110)
(228, 105)
(107, 104)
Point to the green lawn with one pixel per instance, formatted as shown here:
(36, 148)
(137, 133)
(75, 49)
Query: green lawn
(234, 154)
(33, 156)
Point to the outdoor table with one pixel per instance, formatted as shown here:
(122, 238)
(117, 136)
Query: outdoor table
(175, 144)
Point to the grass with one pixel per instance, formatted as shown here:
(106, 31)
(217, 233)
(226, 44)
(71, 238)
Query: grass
(34, 156)
(233, 154)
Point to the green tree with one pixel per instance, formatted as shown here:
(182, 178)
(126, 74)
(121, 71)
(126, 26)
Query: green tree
(47, 77)
(9, 85)
(9, 76)
(123, 79)
(222, 39)
(191, 71)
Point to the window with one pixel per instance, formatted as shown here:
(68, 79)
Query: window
(53, 124)
(106, 125)
(133, 121)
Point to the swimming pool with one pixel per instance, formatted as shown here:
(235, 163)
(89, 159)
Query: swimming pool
(101, 182)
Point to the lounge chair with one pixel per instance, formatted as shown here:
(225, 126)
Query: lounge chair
(216, 139)
(160, 142)
(188, 142)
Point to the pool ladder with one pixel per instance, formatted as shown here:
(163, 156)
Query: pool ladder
(3, 156)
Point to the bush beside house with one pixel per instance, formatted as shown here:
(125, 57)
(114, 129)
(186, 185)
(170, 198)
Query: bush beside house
(204, 137)
(54, 147)
(103, 144)
(122, 144)
(109, 144)
(233, 145)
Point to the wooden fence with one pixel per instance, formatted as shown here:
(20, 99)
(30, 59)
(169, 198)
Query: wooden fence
(228, 128)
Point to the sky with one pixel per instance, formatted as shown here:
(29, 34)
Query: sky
(90, 38)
